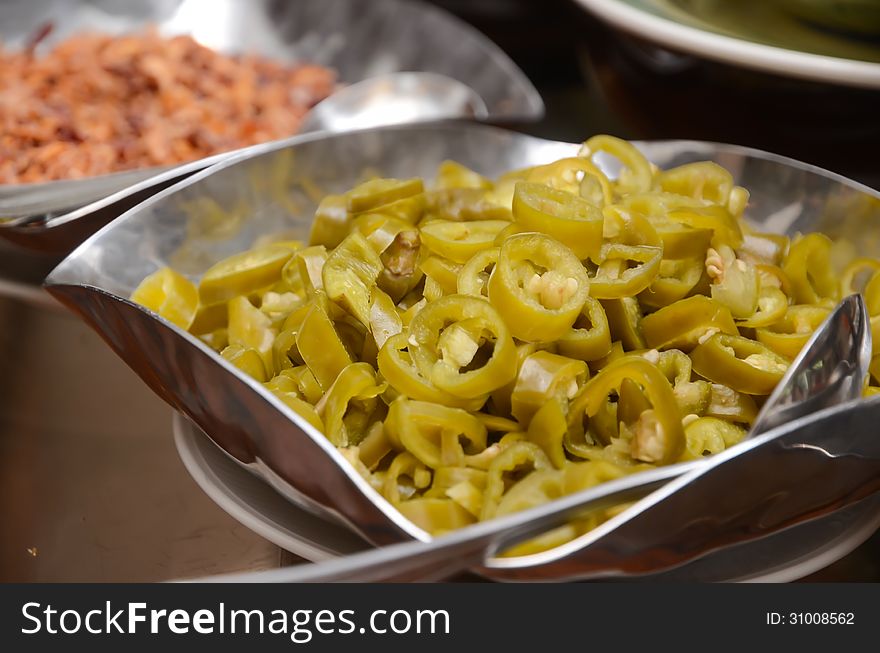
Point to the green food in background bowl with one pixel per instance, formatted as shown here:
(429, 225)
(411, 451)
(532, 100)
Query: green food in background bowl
(857, 16)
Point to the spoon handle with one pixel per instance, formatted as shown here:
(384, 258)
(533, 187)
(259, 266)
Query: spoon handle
(694, 486)
(791, 475)
(468, 547)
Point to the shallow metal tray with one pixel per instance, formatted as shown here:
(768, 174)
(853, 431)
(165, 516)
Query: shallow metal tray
(266, 193)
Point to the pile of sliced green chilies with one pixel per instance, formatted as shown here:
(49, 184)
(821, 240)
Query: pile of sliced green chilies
(476, 347)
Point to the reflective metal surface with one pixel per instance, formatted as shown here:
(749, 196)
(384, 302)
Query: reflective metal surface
(223, 210)
(806, 388)
(652, 536)
(795, 473)
(395, 99)
(829, 545)
(358, 38)
(91, 487)
(830, 369)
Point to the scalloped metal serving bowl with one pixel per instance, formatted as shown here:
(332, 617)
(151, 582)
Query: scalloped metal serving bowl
(224, 209)
(357, 38)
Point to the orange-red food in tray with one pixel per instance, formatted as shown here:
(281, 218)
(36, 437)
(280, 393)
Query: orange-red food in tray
(97, 104)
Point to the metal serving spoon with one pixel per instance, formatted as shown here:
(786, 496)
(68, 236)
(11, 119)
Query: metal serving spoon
(828, 372)
(387, 99)
(395, 98)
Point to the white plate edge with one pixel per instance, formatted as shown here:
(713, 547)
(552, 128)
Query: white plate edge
(739, 52)
(204, 476)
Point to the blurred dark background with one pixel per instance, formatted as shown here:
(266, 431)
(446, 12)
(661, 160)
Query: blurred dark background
(594, 79)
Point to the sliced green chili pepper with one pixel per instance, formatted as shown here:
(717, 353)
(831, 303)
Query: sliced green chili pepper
(735, 281)
(501, 396)
(772, 305)
(681, 241)
(473, 277)
(410, 209)
(543, 376)
(451, 337)
(397, 368)
(703, 180)
(349, 273)
(434, 433)
(561, 215)
(451, 174)
(538, 287)
(301, 408)
(384, 317)
(437, 516)
(615, 353)
(710, 435)
(331, 223)
(636, 176)
(174, 297)
(629, 228)
(872, 299)
(459, 241)
(405, 466)
(216, 340)
(206, 320)
(874, 369)
(380, 229)
(497, 424)
(728, 404)
(739, 363)
(250, 327)
(466, 205)
(348, 407)
(789, 335)
(244, 273)
(624, 270)
(808, 266)
(589, 338)
(376, 193)
(400, 273)
(682, 324)
(577, 175)
(442, 271)
(448, 477)
(657, 436)
(692, 396)
(624, 321)
(306, 383)
(467, 496)
(725, 228)
(320, 347)
(857, 275)
(284, 351)
(512, 460)
(674, 281)
(247, 359)
(305, 267)
(537, 488)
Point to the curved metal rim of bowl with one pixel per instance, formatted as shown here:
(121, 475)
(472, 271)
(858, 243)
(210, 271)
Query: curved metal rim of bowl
(531, 109)
(739, 52)
(383, 505)
(203, 472)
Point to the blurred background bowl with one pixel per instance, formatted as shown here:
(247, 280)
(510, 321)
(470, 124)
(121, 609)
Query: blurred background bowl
(856, 16)
(355, 38)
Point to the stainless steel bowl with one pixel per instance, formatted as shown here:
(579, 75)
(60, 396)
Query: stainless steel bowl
(357, 38)
(224, 209)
